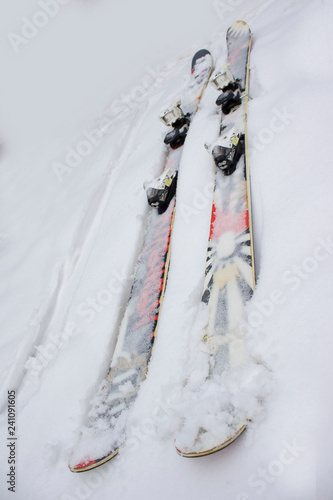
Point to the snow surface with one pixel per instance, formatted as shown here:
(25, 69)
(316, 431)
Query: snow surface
(71, 229)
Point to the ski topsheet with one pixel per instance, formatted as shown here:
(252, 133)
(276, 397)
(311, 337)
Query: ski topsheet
(216, 421)
(105, 432)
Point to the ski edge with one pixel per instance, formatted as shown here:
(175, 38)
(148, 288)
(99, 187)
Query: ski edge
(247, 165)
(165, 277)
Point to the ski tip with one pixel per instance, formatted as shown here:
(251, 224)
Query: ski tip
(198, 55)
(202, 452)
(87, 464)
(237, 29)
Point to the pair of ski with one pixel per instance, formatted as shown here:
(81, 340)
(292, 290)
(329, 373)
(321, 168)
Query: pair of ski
(229, 275)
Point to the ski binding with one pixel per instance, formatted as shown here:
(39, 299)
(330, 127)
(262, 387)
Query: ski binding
(174, 117)
(224, 80)
(161, 190)
(227, 150)
(172, 114)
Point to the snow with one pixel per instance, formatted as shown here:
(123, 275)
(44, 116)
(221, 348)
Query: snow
(73, 210)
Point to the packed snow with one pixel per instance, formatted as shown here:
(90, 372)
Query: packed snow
(73, 216)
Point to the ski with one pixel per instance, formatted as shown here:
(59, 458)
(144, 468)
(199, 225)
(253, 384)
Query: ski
(229, 274)
(104, 433)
